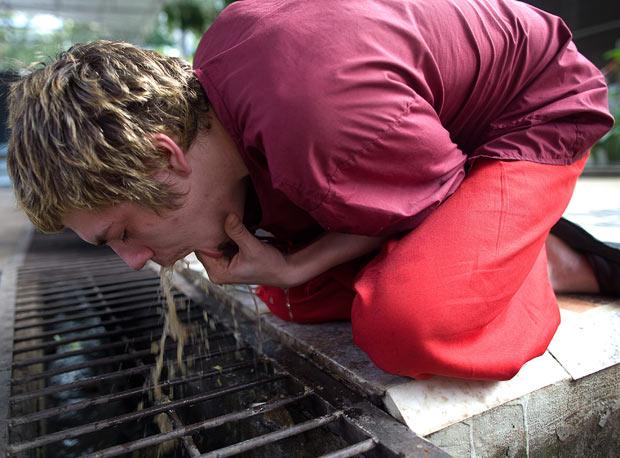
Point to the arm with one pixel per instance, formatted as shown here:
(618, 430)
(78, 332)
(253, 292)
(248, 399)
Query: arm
(259, 263)
(328, 251)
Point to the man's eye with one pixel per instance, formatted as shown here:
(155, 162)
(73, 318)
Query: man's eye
(124, 235)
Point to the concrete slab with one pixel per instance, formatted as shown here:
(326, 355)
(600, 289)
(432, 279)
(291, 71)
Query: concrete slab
(331, 346)
(587, 342)
(427, 406)
(595, 205)
(568, 419)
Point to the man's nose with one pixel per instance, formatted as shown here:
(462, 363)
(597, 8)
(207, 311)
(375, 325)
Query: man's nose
(134, 257)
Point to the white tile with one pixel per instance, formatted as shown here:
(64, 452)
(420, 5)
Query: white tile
(588, 342)
(427, 406)
(194, 264)
(595, 207)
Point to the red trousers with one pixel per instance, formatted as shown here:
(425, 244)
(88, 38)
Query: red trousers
(466, 294)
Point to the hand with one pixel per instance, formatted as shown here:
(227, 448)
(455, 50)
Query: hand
(255, 262)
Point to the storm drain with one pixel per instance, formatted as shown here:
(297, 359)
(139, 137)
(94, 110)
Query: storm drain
(80, 381)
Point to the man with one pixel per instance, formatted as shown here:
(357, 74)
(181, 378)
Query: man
(409, 158)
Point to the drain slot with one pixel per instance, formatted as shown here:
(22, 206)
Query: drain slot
(82, 358)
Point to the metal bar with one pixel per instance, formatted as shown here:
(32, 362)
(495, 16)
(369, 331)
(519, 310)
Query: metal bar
(77, 262)
(352, 450)
(84, 316)
(269, 438)
(83, 300)
(59, 279)
(37, 289)
(107, 376)
(36, 259)
(85, 351)
(99, 287)
(98, 362)
(62, 342)
(57, 270)
(85, 327)
(92, 363)
(93, 288)
(100, 348)
(75, 299)
(188, 441)
(79, 384)
(64, 273)
(71, 267)
(100, 303)
(104, 399)
(206, 424)
(118, 420)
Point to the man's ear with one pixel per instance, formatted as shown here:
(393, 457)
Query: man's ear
(177, 160)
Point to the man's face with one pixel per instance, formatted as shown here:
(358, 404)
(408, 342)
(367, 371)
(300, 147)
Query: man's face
(211, 177)
(138, 234)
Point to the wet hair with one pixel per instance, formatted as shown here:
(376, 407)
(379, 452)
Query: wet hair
(82, 126)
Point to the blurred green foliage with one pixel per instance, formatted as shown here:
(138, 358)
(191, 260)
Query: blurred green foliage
(191, 17)
(607, 150)
(21, 46)
(179, 26)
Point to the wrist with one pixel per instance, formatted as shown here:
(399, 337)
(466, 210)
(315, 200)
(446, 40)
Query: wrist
(294, 273)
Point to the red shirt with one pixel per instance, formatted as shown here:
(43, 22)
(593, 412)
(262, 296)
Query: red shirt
(361, 115)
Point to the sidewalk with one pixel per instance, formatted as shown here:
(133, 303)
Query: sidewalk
(13, 225)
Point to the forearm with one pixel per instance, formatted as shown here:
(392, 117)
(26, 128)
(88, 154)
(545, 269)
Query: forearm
(330, 250)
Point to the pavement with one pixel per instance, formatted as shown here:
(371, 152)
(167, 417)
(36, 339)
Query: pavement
(14, 226)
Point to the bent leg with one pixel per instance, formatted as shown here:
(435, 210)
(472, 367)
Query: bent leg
(467, 293)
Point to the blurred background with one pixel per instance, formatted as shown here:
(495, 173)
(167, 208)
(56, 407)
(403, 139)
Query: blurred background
(36, 30)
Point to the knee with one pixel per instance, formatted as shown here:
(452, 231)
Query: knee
(423, 332)
(397, 330)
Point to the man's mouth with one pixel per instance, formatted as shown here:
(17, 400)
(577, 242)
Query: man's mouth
(210, 253)
(225, 249)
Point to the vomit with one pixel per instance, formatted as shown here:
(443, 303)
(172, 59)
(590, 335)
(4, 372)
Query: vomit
(182, 334)
(179, 332)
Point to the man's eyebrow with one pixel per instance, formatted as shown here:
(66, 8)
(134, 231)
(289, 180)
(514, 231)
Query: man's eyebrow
(101, 238)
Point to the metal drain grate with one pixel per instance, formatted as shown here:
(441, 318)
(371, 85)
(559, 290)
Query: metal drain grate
(83, 329)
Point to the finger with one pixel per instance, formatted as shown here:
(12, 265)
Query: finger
(239, 234)
(215, 267)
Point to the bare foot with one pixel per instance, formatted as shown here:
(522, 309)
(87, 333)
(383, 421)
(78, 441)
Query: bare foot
(569, 270)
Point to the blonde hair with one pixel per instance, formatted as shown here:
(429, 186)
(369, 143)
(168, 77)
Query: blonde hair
(81, 129)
